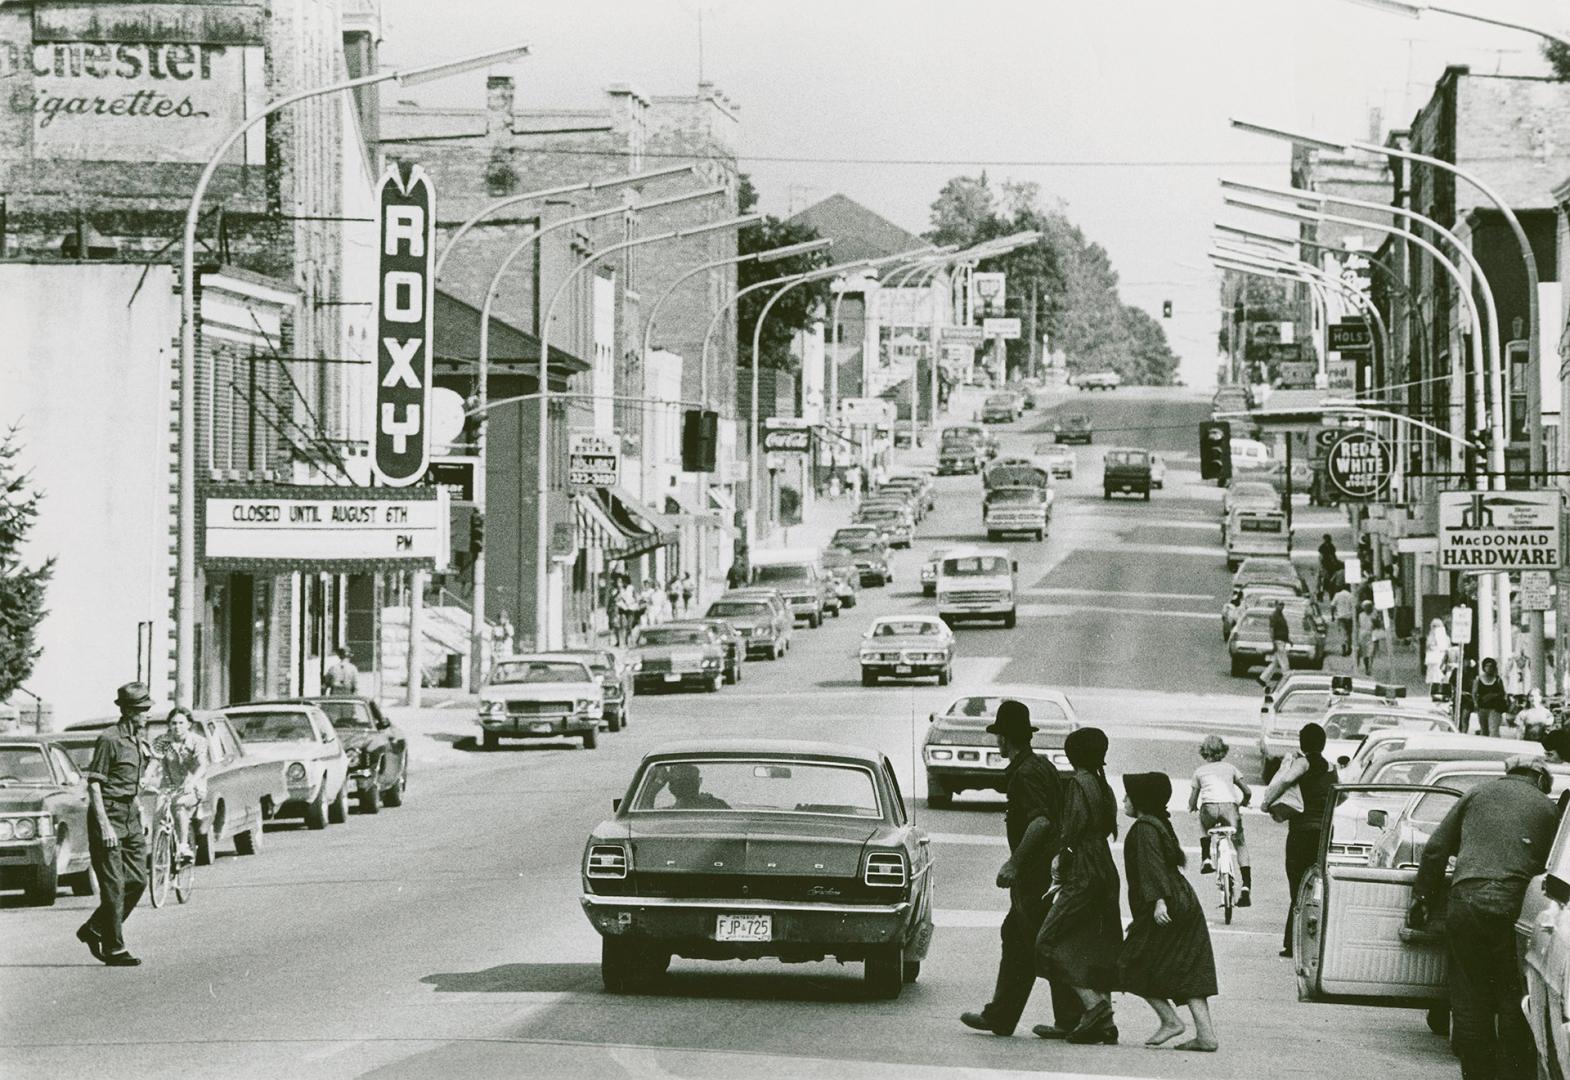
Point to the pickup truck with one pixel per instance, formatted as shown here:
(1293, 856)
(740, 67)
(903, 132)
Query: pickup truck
(1126, 471)
(1073, 428)
(1023, 508)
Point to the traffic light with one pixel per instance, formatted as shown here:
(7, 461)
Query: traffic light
(476, 533)
(1215, 450)
(700, 438)
(1166, 309)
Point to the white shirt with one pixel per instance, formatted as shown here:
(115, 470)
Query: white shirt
(1216, 782)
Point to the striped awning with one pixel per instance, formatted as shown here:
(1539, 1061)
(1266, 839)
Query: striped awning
(621, 531)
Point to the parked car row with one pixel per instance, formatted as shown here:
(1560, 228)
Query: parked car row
(301, 757)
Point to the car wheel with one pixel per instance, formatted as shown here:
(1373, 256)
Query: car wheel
(205, 841)
(394, 796)
(491, 741)
(929, 590)
(883, 972)
(1106, 493)
(1010, 619)
(316, 813)
(338, 809)
(41, 891)
(776, 651)
(249, 842)
(945, 676)
(371, 797)
(938, 795)
(912, 970)
(814, 621)
(868, 678)
(715, 683)
(625, 968)
(614, 724)
(591, 739)
(1268, 769)
(948, 621)
(1239, 666)
(82, 884)
(1147, 494)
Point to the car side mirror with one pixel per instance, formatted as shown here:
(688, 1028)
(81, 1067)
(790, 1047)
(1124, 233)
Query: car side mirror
(1557, 888)
(615, 806)
(382, 723)
(932, 718)
(1378, 818)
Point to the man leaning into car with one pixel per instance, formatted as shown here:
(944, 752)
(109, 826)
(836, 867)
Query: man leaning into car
(114, 826)
(1499, 833)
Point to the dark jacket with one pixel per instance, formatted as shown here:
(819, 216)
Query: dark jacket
(1498, 832)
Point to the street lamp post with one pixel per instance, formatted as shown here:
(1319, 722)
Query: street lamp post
(185, 571)
(542, 483)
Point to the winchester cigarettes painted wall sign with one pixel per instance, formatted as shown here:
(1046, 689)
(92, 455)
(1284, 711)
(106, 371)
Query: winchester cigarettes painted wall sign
(406, 228)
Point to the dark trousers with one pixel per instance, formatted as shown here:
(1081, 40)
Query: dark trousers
(1487, 1029)
(121, 870)
(1017, 969)
(1302, 850)
(1346, 636)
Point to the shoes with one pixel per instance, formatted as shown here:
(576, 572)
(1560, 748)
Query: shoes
(89, 937)
(121, 959)
(1049, 1031)
(1208, 867)
(1287, 952)
(1243, 900)
(1094, 1027)
(979, 1021)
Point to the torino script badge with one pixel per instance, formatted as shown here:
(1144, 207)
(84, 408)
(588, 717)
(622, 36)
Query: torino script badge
(406, 232)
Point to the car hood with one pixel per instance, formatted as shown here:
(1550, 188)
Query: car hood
(972, 731)
(748, 843)
(292, 751)
(357, 738)
(20, 800)
(556, 691)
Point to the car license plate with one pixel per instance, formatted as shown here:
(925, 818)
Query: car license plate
(671, 676)
(902, 669)
(744, 928)
(541, 726)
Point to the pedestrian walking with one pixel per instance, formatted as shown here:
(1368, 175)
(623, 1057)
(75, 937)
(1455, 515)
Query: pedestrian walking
(1436, 661)
(503, 633)
(1489, 697)
(1343, 608)
(673, 595)
(627, 607)
(1536, 720)
(1080, 937)
(1167, 955)
(1213, 794)
(342, 676)
(1518, 669)
(688, 592)
(114, 826)
(1035, 810)
(1367, 637)
(1280, 662)
(1297, 794)
(1499, 834)
(650, 601)
(1329, 565)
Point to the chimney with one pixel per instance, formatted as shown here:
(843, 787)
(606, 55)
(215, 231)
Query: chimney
(498, 105)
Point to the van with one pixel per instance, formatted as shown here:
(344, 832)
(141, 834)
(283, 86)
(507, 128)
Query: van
(1249, 455)
(1257, 532)
(977, 583)
(800, 578)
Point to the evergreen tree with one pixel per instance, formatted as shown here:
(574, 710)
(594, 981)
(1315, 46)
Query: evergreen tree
(21, 589)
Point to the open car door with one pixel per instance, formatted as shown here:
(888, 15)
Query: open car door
(1352, 943)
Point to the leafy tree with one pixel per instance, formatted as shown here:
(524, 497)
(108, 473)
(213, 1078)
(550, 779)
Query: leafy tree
(21, 589)
(1558, 57)
(795, 310)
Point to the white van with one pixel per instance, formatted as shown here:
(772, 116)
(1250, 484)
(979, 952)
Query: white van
(977, 583)
(1249, 455)
(1257, 532)
(798, 575)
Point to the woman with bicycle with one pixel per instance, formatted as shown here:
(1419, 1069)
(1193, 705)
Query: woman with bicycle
(1213, 793)
(182, 766)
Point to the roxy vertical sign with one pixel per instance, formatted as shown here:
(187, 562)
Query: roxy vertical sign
(406, 231)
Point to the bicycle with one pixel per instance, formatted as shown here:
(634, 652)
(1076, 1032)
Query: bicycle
(1227, 871)
(166, 864)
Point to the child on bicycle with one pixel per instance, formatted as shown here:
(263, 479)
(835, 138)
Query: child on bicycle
(182, 767)
(1213, 793)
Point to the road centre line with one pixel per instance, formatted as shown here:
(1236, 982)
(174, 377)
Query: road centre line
(1040, 611)
(1053, 591)
(1213, 553)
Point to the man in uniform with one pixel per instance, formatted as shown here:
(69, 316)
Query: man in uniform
(1499, 833)
(342, 676)
(1035, 804)
(114, 826)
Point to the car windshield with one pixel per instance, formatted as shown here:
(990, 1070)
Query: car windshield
(24, 765)
(673, 635)
(1000, 399)
(1305, 702)
(854, 533)
(1127, 457)
(1050, 449)
(1352, 725)
(759, 785)
(273, 726)
(784, 572)
(905, 627)
(80, 753)
(838, 558)
(1043, 713)
(976, 566)
(347, 713)
(859, 545)
(736, 609)
(541, 671)
(1014, 495)
(881, 514)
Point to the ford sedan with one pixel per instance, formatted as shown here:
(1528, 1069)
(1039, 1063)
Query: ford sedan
(43, 820)
(907, 647)
(750, 849)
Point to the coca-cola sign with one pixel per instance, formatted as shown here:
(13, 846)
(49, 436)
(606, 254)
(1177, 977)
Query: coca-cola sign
(786, 436)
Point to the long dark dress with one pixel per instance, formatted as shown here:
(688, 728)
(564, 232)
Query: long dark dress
(1174, 961)
(1082, 933)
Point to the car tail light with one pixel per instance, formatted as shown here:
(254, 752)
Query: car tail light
(885, 868)
(607, 861)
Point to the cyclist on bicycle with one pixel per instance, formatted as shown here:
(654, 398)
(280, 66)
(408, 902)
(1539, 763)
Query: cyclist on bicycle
(1214, 794)
(182, 765)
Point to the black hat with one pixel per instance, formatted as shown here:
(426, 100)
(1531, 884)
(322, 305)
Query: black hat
(1012, 722)
(133, 696)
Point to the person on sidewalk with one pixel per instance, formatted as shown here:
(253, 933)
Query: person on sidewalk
(1343, 608)
(1499, 834)
(1367, 637)
(1436, 661)
(342, 676)
(1329, 565)
(1489, 697)
(114, 826)
(1280, 663)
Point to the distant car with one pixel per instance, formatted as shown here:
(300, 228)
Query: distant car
(735, 645)
(1543, 943)
(999, 409)
(676, 655)
(1158, 472)
(919, 482)
(731, 850)
(1057, 460)
(1250, 643)
(316, 766)
(960, 756)
(842, 566)
(1127, 471)
(1098, 380)
(615, 683)
(764, 628)
(1073, 428)
(43, 820)
(541, 696)
(1269, 570)
(1253, 596)
(897, 524)
(378, 751)
(907, 647)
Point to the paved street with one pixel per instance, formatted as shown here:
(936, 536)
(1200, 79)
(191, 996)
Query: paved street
(444, 938)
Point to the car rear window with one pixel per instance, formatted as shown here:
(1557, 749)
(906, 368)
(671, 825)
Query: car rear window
(347, 713)
(1043, 712)
(759, 785)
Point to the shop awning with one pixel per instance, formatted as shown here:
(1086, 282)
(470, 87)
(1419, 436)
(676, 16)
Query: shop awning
(680, 506)
(619, 525)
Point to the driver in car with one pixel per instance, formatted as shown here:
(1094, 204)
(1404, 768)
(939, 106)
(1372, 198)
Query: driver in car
(685, 782)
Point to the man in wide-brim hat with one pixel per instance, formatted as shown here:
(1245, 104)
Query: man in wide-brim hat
(114, 826)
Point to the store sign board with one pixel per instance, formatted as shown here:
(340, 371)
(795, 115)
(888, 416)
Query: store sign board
(1358, 464)
(1487, 531)
(1537, 590)
(1350, 337)
(782, 436)
(355, 526)
(1384, 595)
(868, 411)
(1000, 328)
(964, 335)
(406, 232)
(1296, 374)
(593, 459)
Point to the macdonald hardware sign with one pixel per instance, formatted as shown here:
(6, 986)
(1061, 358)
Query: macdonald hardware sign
(1358, 464)
(786, 436)
(406, 240)
(1486, 531)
